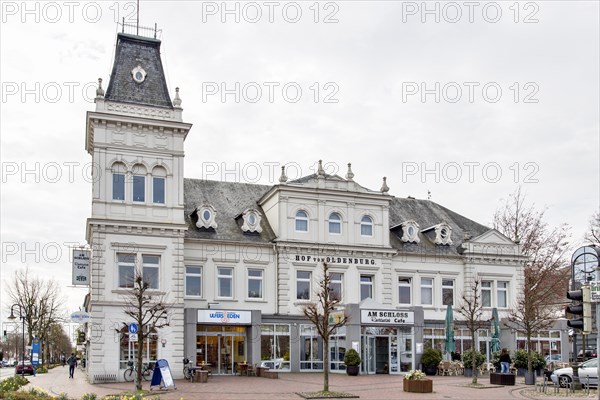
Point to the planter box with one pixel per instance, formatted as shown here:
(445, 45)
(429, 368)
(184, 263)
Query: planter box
(418, 386)
(502, 379)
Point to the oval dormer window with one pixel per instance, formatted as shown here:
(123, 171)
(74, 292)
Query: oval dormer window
(411, 231)
(252, 219)
(444, 233)
(206, 215)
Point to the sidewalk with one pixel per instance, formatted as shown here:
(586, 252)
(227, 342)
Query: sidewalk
(241, 388)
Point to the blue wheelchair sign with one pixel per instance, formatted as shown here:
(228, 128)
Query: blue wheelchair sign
(133, 328)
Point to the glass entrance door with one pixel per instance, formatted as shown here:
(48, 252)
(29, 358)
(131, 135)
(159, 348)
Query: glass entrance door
(368, 356)
(220, 352)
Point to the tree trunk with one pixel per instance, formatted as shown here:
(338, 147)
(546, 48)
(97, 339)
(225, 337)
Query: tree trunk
(529, 363)
(474, 359)
(326, 364)
(139, 356)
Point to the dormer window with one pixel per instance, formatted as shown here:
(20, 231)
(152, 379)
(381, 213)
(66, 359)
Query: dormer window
(251, 221)
(410, 232)
(301, 221)
(335, 224)
(443, 234)
(206, 217)
(366, 226)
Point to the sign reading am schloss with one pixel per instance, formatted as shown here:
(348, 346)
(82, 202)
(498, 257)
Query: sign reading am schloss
(224, 317)
(387, 317)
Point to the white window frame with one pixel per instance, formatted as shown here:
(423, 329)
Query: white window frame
(448, 287)
(148, 265)
(123, 264)
(500, 290)
(193, 275)
(426, 287)
(402, 284)
(255, 278)
(334, 222)
(370, 284)
(225, 276)
(133, 179)
(309, 280)
(121, 183)
(164, 189)
(305, 218)
(368, 224)
(487, 289)
(339, 282)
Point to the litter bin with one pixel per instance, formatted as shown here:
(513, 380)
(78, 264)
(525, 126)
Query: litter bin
(202, 376)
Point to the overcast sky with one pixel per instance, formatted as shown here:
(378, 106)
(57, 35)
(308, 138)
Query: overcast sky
(464, 100)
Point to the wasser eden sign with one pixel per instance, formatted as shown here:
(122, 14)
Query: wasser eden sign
(224, 317)
(387, 317)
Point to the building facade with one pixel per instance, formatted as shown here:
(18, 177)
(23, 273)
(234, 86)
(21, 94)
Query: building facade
(238, 261)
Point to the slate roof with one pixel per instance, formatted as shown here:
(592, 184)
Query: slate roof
(130, 52)
(231, 198)
(426, 213)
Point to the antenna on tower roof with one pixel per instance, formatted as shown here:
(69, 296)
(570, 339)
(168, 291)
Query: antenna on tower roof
(137, 19)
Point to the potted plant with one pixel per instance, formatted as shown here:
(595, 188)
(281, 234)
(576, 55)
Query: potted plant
(520, 361)
(416, 382)
(538, 363)
(467, 359)
(430, 360)
(352, 361)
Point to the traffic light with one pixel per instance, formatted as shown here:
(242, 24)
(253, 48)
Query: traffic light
(584, 308)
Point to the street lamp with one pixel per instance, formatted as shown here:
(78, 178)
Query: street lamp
(12, 318)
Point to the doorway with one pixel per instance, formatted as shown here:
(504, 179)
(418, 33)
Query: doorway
(222, 351)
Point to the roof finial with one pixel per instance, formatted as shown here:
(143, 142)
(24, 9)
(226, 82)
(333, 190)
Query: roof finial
(349, 174)
(320, 170)
(428, 194)
(384, 187)
(99, 91)
(177, 99)
(283, 178)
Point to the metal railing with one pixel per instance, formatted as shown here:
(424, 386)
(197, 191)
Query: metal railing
(135, 29)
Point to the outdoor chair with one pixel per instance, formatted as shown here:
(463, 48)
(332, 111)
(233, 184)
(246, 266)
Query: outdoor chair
(446, 368)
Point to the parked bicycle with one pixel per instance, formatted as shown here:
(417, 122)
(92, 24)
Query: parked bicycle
(131, 370)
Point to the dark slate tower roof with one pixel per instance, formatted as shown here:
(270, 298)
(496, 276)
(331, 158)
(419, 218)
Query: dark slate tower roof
(133, 51)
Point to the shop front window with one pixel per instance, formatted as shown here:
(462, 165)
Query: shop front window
(275, 346)
(311, 348)
(128, 349)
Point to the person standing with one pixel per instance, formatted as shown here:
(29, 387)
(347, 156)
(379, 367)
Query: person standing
(72, 361)
(505, 361)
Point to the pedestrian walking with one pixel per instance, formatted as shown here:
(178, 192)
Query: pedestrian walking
(72, 361)
(505, 361)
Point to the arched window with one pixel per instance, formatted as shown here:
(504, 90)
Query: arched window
(335, 223)
(118, 181)
(301, 221)
(159, 176)
(366, 226)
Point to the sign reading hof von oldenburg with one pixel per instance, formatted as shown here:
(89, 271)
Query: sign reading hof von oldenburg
(81, 267)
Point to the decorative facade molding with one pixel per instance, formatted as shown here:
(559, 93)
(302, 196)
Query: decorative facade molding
(206, 217)
(252, 220)
(410, 232)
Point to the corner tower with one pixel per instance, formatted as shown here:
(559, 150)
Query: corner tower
(136, 139)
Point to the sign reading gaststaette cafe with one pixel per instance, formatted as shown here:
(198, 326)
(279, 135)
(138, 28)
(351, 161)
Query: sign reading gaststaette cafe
(387, 317)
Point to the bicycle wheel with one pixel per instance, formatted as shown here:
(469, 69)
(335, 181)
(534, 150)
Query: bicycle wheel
(128, 375)
(146, 373)
(187, 374)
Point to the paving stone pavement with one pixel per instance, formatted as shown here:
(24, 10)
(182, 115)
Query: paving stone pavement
(244, 388)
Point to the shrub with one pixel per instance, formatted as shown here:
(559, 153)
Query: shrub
(431, 357)
(89, 396)
(468, 358)
(415, 375)
(496, 360)
(13, 383)
(537, 360)
(520, 358)
(351, 358)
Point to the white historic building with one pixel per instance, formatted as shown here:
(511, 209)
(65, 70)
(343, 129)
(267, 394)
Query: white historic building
(238, 260)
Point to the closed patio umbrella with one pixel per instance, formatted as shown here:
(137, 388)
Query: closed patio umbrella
(495, 344)
(449, 345)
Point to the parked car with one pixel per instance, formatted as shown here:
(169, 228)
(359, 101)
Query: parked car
(28, 368)
(589, 353)
(553, 357)
(564, 376)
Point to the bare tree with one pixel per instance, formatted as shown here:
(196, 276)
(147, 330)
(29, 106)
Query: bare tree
(324, 315)
(150, 311)
(41, 304)
(546, 272)
(593, 234)
(471, 308)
